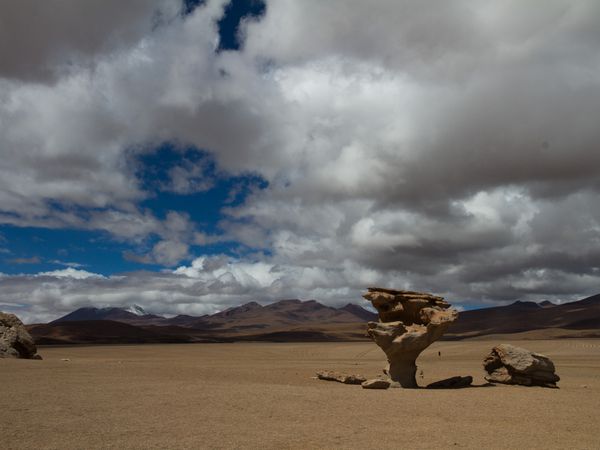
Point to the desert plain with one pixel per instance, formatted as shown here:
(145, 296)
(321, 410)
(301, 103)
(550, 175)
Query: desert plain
(263, 395)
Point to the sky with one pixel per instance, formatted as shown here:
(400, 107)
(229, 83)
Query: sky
(189, 156)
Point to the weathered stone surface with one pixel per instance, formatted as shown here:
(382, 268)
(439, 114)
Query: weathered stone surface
(408, 323)
(452, 383)
(376, 383)
(15, 340)
(341, 377)
(515, 365)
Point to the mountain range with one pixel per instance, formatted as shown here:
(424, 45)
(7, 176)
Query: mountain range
(531, 320)
(280, 321)
(295, 320)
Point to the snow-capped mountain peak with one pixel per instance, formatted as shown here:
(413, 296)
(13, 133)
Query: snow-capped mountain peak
(137, 310)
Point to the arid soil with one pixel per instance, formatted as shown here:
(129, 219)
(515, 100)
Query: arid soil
(262, 395)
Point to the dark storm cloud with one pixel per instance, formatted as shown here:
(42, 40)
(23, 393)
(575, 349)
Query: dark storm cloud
(41, 40)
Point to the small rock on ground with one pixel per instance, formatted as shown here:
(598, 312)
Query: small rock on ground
(340, 377)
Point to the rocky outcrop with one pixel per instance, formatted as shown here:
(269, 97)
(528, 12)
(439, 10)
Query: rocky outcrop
(408, 323)
(340, 377)
(15, 341)
(515, 365)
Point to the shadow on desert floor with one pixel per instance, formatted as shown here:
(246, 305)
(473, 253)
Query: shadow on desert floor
(484, 385)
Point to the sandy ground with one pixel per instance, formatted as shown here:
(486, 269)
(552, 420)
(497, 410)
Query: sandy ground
(262, 395)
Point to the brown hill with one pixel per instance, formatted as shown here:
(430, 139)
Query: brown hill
(113, 314)
(522, 317)
(282, 314)
(112, 332)
(360, 312)
(99, 332)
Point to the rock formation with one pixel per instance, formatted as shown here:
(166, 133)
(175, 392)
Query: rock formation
(15, 340)
(340, 377)
(408, 323)
(514, 365)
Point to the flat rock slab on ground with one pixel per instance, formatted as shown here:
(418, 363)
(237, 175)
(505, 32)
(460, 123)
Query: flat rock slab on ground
(377, 383)
(329, 375)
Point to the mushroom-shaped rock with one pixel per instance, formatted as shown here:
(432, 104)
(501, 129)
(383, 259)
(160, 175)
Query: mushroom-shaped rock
(408, 323)
(515, 365)
(15, 340)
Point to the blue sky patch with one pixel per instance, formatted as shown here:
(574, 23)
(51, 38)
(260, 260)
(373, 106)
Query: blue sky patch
(33, 249)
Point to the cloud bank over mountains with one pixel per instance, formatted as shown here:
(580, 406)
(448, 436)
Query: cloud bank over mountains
(450, 148)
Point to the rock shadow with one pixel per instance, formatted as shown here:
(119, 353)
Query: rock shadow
(457, 382)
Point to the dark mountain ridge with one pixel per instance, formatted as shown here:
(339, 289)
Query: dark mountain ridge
(111, 313)
(252, 314)
(292, 320)
(295, 320)
(361, 312)
(525, 316)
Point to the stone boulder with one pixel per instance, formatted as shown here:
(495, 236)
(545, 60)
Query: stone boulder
(409, 322)
(15, 340)
(515, 365)
(329, 375)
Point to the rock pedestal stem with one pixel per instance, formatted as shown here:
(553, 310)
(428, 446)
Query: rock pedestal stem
(404, 371)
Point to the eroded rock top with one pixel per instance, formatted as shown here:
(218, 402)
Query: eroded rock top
(409, 307)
